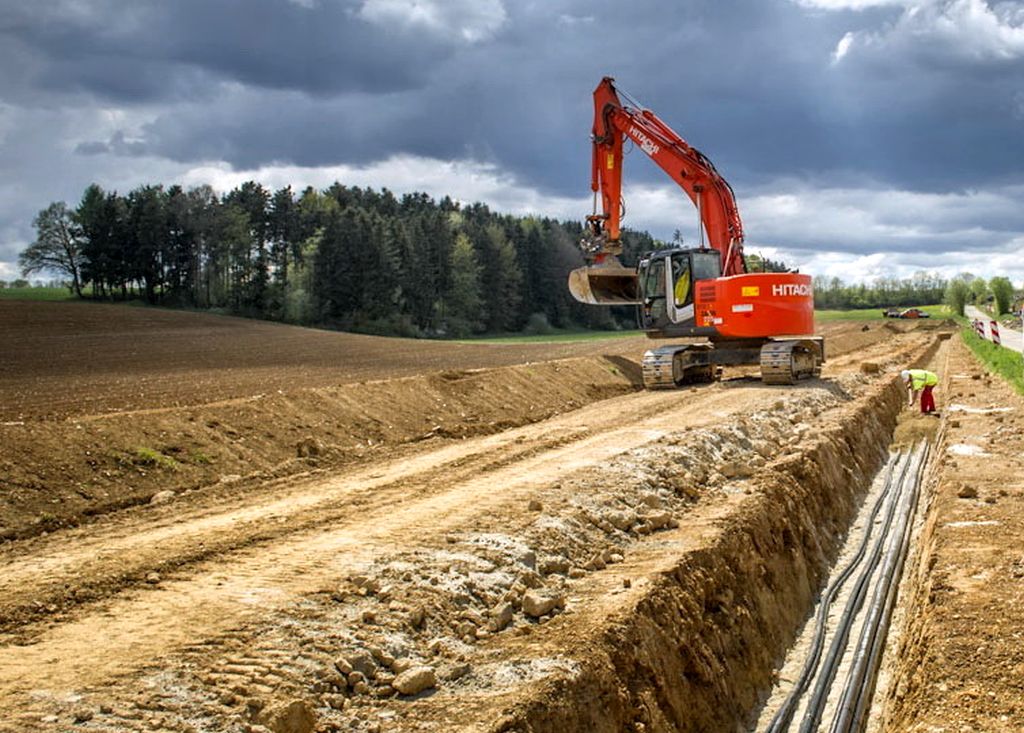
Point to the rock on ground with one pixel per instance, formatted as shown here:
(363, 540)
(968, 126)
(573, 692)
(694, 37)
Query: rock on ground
(415, 679)
(295, 716)
(537, 603)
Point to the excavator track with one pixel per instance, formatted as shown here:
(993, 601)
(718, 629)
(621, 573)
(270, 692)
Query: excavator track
(667, 367)
(785, 362)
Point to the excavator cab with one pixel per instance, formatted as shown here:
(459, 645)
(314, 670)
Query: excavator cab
(667, 280)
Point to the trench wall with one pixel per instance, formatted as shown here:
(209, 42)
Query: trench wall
(697, 652)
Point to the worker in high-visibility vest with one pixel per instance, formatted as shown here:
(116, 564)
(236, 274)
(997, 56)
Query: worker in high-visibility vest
(923, 381)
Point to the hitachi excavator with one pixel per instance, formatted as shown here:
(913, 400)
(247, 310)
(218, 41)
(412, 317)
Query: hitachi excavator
(700, 293)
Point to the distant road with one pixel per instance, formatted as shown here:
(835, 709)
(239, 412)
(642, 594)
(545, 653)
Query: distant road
(1008, 337)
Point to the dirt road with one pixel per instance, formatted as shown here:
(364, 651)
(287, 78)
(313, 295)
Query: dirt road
(357, 518)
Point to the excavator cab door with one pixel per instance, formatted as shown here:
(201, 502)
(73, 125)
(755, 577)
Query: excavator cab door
(667, 283)
(654, 311)
(680, 272)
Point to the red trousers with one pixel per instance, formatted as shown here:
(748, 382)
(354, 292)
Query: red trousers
(927, 400)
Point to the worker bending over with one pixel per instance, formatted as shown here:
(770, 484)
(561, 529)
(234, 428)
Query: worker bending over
(920, 380)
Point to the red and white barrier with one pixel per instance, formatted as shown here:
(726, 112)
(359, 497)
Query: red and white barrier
(994, 328)
(979, 327)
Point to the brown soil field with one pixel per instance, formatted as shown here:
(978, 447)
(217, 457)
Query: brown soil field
(114, 405)
(277, 532)
(69, 359)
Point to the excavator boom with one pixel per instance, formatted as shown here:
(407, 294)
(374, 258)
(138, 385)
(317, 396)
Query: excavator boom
(614, 122)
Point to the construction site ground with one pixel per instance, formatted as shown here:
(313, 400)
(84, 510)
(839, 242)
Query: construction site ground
(215, 524)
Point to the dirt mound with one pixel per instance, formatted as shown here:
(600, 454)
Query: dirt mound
(56, 474)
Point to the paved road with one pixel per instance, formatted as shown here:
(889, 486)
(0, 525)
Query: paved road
(1009, 338)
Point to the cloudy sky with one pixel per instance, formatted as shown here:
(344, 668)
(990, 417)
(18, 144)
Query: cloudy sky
(862, 137)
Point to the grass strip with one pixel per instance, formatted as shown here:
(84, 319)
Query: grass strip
(874, 314)
(1007, 363)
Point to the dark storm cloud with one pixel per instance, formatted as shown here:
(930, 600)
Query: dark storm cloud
(151, 51)
(923, 96)
(751, 82)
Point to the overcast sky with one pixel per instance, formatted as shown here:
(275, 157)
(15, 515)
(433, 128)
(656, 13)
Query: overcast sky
(862, 137)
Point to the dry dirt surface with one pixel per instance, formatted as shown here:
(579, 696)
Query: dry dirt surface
(465, 545)
(961, 656)
(105, 407)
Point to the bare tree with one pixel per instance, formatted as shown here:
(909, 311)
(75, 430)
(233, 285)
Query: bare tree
(57, 247)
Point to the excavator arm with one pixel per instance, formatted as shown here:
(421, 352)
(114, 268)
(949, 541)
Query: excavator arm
(614, 122)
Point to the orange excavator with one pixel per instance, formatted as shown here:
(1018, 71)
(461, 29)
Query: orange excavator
(704, 293)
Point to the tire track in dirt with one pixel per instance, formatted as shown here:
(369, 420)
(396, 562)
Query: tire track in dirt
(118, 553)
(126, 547)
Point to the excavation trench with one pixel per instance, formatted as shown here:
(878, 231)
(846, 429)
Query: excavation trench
(687, 536)
(696, 649)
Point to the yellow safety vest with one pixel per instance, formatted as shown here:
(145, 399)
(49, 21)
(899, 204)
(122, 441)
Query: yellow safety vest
(682, 288)
(919, 378)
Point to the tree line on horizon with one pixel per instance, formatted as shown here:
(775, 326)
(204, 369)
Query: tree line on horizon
(364, 260)
(923, 288)
(345, 257)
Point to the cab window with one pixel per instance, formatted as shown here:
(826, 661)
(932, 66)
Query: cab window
(656, 307)
(681, 280)
(654, 285)
(706, 265)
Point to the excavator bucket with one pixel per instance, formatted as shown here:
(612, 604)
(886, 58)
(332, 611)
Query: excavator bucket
(606, 284)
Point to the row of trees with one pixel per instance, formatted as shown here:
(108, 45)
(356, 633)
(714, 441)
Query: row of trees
(359, 259)
(344, 257)
(923, 288)
(966, 288)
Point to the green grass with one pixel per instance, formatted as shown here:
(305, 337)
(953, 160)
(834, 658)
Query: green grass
(200, 458)
(1007, 363)
(554, 337)
(875, 314)
(149, 457)
(36, 294)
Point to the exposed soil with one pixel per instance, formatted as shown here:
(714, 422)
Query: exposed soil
(558, 549)
(959, 664)
(193, 402)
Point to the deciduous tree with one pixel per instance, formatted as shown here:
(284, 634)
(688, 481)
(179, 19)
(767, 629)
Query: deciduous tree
(57, 248)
